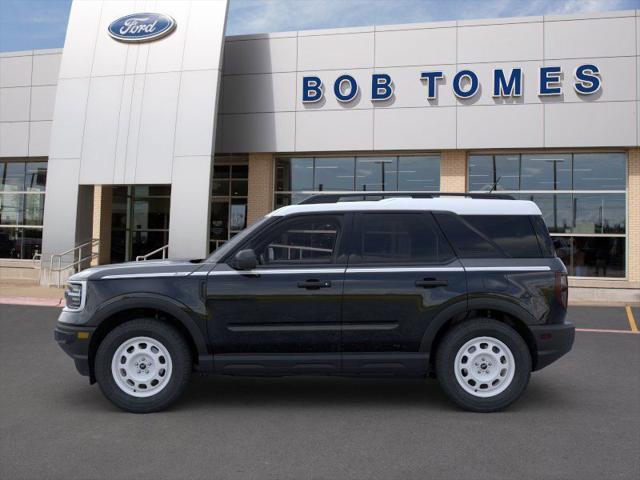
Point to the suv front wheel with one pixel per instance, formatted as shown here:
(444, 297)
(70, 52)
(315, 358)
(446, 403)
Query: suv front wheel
(143, 365)
(483, 365)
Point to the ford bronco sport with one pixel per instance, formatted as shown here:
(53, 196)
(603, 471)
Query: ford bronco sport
(465, 288)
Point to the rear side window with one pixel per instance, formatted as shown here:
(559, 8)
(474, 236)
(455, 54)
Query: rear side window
(514, 234)
(544, 240)
(491, 236)
(399, 238)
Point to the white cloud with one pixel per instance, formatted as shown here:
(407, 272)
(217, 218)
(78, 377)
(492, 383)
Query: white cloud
(253, 16)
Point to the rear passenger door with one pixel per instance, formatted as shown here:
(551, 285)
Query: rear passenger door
(401, 273)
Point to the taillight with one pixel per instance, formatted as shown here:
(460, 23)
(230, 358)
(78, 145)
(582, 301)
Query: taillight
(562, 289)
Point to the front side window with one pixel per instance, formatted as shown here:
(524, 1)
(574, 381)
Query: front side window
(399, 238)
(306, 240)
(582, 197)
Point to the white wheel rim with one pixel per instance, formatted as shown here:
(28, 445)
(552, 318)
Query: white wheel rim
(141, 367)
(484, 367)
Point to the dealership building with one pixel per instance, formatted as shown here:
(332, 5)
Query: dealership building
(127, 144)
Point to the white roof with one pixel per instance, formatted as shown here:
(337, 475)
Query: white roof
(459, 205)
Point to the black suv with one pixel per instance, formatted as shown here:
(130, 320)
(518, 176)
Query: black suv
(468, 290)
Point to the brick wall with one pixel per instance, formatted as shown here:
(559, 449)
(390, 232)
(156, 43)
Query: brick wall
(102, 198)
(261, 170)
(633, 225)
(453, 171)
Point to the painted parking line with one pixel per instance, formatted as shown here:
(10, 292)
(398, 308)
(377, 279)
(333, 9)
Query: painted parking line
(600, 330)
(632, 321)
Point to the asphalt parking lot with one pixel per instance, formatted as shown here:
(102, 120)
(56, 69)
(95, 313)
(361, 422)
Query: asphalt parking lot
(579, 419)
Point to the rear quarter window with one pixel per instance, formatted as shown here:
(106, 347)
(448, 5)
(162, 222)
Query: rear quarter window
(491, 236)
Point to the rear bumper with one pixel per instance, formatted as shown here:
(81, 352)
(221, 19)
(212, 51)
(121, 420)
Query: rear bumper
(552, 342)
(74, 341)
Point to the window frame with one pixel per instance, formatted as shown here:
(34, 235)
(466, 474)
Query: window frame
(338, 258)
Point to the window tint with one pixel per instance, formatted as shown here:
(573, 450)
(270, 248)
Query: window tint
(400, 238)
(544, 240)
(469, 243)
(514, 234)
(310, 239)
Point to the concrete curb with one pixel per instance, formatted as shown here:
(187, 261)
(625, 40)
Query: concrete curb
(32, 301)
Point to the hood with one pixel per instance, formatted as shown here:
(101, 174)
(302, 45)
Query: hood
(146, 268)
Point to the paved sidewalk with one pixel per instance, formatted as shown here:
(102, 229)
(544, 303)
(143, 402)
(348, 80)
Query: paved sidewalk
(16, 293)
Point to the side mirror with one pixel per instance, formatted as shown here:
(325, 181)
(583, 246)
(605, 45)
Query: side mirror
(245, 260)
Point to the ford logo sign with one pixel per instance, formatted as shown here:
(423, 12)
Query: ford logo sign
(141, 27)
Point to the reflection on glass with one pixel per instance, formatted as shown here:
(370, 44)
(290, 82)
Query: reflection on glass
(11, 208)
(556, 210)
(219, 220)
(33, 209)
(20, 243)
(376, 173)
(13, 177)
(334, 174)
(599, 171)
(294, 174)
(419, 174)
(10, 240)
(36, 176)
(238, 219)
(494, 172)
(546, 172)
(599, 213)
(598, 256)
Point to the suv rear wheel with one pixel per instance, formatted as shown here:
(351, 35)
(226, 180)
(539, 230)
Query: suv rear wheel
(143, 365)
(483, 365)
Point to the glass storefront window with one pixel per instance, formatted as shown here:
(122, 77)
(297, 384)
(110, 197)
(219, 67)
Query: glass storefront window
(494, 172)
(546, 172)
(334, 174)
(419, 174)
(294, 174)
(599, 171)
(376, 173)
(587, 220)
(415, 173)
(22, 189)
(228, 214)
(556, 210)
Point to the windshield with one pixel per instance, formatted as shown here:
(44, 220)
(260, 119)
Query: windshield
(231, 244)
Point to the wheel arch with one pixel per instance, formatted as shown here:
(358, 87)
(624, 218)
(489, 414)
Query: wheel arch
(496, 308)
(122, 309)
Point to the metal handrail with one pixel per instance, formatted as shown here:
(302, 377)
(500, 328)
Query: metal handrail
(75, 250)
(164, 250)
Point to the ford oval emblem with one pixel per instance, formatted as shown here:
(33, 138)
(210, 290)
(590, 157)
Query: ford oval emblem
(141, 27)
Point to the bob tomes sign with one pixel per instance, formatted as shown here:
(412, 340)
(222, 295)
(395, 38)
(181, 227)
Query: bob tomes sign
(141, 27)
(465, 84)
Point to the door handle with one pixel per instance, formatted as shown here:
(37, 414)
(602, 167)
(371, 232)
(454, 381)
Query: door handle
(314, 284)
(431, 283)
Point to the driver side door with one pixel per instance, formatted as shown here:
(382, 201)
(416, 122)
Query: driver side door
(284, 315)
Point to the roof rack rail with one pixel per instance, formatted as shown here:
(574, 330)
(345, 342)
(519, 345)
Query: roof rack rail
(336, 197)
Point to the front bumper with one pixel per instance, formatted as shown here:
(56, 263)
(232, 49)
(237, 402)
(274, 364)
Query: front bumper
(74, 340)
(552, 342)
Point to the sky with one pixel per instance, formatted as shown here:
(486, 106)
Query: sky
(34, 24)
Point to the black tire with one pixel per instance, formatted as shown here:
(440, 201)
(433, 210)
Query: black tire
(177, 348)
(455, 339)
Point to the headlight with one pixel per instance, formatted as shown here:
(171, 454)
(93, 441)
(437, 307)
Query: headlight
(75, 295)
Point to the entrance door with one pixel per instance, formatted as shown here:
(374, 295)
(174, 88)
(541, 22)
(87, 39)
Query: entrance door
(140, 220)
(285, 314)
